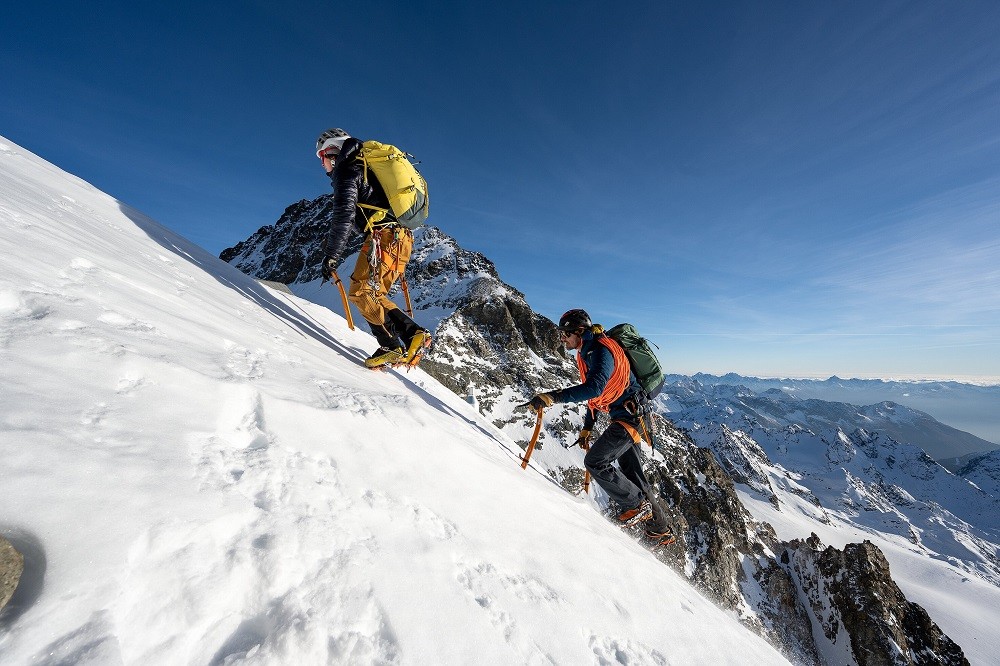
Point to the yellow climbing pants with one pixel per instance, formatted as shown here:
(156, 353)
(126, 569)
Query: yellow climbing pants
(382, 261)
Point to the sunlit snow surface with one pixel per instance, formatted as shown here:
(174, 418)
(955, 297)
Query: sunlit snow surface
(200, 471)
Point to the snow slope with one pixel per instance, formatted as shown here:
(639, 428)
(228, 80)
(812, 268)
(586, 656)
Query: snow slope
(199, 470)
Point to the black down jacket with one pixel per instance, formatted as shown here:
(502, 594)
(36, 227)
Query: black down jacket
(350, 189)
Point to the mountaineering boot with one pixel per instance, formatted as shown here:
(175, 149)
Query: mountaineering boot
(633, 516)
(415, 339)
(385, 335)
(385, 356)
(655, 537)
(420, 341)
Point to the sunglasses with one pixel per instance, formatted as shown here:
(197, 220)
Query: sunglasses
(330, 148)
(564, 334)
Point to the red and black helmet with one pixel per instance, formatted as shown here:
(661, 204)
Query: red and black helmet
(574, 320)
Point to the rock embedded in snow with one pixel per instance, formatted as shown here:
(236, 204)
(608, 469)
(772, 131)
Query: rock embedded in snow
(11, 567)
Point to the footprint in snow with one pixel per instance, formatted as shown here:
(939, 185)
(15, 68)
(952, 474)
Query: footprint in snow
(95, 414)
(127, 323)
(243, 363)
(489, 587)
(430, 523)
(129, 385)
(78, 270)
(335, 396)
(609, 650)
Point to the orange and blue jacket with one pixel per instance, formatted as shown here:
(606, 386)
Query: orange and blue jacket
(596, 361)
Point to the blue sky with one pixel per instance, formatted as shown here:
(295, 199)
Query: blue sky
(798, 189)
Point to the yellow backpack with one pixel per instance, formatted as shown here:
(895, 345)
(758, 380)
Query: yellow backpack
(402, 183)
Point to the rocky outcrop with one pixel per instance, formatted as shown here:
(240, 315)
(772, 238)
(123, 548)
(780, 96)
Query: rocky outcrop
(291, 249)
(722, 550)
(860, 612)
(984, 471)
(11, 567)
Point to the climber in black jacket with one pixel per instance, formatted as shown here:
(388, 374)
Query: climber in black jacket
(384, 254)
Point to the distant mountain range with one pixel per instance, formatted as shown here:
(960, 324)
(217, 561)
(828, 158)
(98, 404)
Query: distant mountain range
(845, 464)
(972, 408)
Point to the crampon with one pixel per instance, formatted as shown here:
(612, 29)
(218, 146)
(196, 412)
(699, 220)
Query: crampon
(413, 359)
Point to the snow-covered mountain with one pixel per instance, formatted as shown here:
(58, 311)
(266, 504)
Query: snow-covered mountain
(199, 470)
(800, 457)
(984, 471)
(494, 351)
(972, 409)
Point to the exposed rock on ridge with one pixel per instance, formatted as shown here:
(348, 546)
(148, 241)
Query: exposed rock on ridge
(860, 611)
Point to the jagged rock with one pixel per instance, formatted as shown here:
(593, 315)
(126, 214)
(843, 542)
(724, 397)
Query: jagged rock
(744, 460)
(11, 567)
(859, 608)
(723, 551)
(289, 251)
(984, 471)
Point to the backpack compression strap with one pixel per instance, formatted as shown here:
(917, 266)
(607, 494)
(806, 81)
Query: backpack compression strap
(378, 214)
(619, 377)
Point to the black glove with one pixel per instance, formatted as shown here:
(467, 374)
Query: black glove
(540, 401)
(328, 266)
(583, 441)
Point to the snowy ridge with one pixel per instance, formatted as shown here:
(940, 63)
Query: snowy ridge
(490, 346)
(938, 531)
(984, 471)
(206, 474)
(865, 478)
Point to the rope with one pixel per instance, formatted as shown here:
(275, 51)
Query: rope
(619, 381)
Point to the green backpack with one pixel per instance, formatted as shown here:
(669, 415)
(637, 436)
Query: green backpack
(645, 365)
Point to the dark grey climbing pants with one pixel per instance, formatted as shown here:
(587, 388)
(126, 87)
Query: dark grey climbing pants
(622, 485)
(626, 484)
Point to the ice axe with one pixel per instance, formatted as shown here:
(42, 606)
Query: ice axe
(534, 439)
(343, 298)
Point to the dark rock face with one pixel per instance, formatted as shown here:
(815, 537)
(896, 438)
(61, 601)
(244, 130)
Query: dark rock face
(723, 551)
(289, 251)
(861, 611)
(11, 567)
